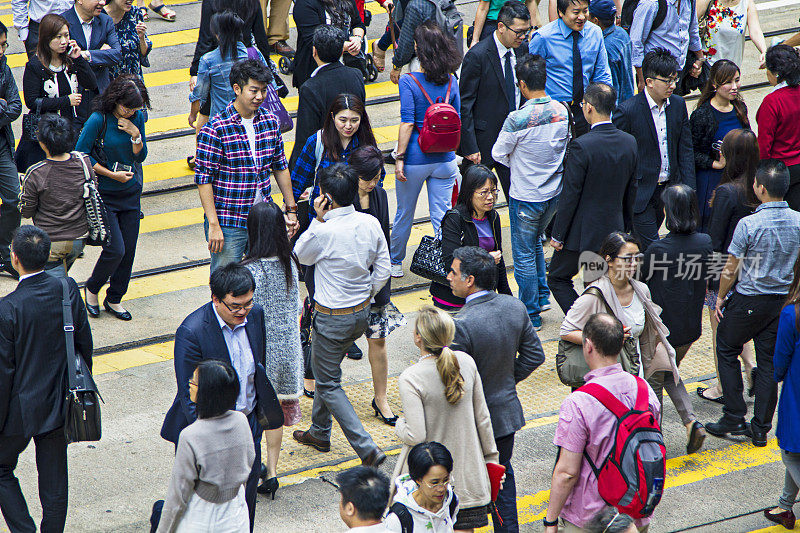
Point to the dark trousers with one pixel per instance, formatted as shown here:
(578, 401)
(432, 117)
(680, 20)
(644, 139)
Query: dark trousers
(51, 464)
(33, 38)
(563, 266)
(116, 260)
(792, 196)
(252, 481)
(507, 497)
(9, 194)
(646, 223)
(745, 318)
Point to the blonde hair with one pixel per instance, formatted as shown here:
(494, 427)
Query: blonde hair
(437, 329)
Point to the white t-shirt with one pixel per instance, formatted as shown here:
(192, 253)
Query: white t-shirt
(251, 135)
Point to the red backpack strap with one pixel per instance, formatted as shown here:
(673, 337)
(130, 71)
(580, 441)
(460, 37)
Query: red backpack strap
(642, 395)
(447, 96)
(424, 92)
(608, 400)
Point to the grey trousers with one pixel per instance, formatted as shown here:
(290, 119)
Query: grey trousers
(332, 336)
(791, 481)
(676, 391)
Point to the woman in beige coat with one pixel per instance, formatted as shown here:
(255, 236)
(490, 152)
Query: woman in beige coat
(443, 401)
(631, 303)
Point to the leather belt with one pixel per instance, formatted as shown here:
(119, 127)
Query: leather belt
(342, 311)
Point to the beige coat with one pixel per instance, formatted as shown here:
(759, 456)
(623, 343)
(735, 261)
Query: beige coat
(656, 353)
(464, 428)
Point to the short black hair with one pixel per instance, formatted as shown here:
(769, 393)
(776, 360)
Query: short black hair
(3, 29)
(367, 161)
(563, 5)
(513, 9)
(609, 520)
(602, 96)
(659, 62)
(532, 69)
(367, 489)
(31, 245)
(329, 43)
(217, 388)
(680, 209)
(614, 242)
(478, 263)
(784, 62)
(425, 455)
(340, 181)
(606, 333)
(233, 279)
(774, 176)
(249, 69)
(56, 134)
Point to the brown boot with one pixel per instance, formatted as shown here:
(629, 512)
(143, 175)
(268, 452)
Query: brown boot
(282, 48)
(378, 57)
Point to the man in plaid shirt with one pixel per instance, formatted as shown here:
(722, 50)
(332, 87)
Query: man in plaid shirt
(236, 151)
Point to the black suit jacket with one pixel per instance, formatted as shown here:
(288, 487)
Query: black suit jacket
(198, 338)
(316, 96)
(598, 189)
(484, 105)
(633, 116)
(33, 356)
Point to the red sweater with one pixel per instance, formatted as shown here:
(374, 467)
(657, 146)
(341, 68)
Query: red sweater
(779, 125)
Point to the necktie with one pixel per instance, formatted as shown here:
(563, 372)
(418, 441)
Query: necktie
(577, 70)
(509, 83)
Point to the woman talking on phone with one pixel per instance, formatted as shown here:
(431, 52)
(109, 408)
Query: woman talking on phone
(114, 137)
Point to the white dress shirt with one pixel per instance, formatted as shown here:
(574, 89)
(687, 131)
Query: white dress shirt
(660, 121)
(344, 248)
(26, 276)
(502, 51)
(35, 10)
(243, 362)
(87, 29)
(474, 295)
(598, 123)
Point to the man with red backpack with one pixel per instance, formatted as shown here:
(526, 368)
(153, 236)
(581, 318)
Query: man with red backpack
(610, 445)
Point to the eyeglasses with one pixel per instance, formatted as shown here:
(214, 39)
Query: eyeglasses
(670, 82)
(235, 308)
(4, 45)
(493, 192)
(192, 382)
(437, 485)
(523, 32)
(635, 258)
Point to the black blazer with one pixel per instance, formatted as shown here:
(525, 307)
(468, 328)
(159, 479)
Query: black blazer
(598, 189)
(198, 338)
(493, 328)
(379, 208)
(103, 32)
(33, 360)
(633, 116)
(459, 230)
(316, 96)
(704, 126)
(676, 286)
(484, 105)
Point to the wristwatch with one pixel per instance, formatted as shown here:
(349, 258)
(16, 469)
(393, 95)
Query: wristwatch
(290, 209)
(137, 140)
(549, 524)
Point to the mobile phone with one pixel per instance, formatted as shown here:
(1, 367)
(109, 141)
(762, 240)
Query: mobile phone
(120, 167)
(328, 199)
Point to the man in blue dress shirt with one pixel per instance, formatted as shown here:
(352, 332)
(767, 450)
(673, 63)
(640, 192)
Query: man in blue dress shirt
(618, 47)
(575, 54)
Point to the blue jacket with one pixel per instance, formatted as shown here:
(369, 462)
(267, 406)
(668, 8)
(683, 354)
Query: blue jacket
(787, 370)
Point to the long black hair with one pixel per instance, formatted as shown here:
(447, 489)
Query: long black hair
(266, 234)
(740, 150)
(330, 135)
(227, 28)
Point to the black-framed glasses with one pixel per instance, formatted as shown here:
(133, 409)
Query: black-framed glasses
(523, 32)
(669, 82)
(192, 382)
(4, 45)
(483, 194)
(235, 308)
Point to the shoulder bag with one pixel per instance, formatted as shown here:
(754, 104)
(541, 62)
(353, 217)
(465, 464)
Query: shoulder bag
(571, 365)
(272, 101)
(96, 214)
(83, 399)
(98, 152)
(30, 122)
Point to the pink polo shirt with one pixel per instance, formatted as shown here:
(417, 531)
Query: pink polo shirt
(584, 424)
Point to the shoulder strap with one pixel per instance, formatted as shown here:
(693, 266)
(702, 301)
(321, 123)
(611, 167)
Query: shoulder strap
(449, 84)
(69, 335)
(609, 401)
(87, 176)
(453, 506)
(424, 92)
(318, 149)
(642, 395)
(597, 292)
(571, 120)
(404, 515)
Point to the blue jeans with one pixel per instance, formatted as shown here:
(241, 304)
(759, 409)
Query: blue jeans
(233, 248)
(440, 178)
(528, 222)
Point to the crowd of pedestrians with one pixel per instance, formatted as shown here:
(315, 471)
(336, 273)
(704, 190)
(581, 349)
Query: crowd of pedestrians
(580, 123)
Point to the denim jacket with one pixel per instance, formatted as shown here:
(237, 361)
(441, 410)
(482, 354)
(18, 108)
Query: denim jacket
(213, 78)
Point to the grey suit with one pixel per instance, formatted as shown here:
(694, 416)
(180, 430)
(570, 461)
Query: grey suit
(493, 329)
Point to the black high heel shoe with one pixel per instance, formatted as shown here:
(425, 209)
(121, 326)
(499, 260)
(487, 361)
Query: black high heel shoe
(92, 310)
(388, 421)
(124, 315)
(269, 487)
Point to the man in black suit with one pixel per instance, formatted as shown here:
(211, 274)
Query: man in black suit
(493, 328)
(489, 90)
(33, 381)
(659, 122)
(229, 328)
(329, 80)
(597, 194)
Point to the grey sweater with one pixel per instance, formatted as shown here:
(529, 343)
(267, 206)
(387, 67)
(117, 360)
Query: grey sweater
(214, 458)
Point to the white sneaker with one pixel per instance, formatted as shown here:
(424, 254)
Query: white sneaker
(397, 271)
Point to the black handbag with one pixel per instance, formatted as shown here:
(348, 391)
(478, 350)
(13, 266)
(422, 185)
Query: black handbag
(98, 152)
(83, 399)
(30, 122)
(427, 261)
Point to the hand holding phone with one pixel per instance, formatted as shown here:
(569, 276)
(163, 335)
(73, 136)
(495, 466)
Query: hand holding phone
(322, 204)
(120, 167)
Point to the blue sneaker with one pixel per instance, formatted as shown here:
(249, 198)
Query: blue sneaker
(537, 323)
(545, 306)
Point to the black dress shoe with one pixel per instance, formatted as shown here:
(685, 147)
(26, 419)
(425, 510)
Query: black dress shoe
(723, 428)
(375, 458)
(303, 437)
(124, 315)
(354, 353)
(759, 437)
(5, 266)
(269, 487)
(308, 393)
(786, 518)
(91, 310)
(390, 421)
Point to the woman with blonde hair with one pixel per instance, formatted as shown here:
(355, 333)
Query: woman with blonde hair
(443, 401)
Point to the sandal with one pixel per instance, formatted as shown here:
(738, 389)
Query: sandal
(701, 390)
(145, 14)
(164, 12)
(379, 59)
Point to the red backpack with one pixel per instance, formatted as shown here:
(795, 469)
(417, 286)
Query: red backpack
(631, 477)
(441, 127)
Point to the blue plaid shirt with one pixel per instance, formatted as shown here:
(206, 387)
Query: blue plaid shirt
(303, 174)
(224, 160)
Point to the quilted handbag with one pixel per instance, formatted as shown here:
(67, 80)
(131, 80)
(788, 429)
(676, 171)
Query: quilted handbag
(30, 122)
(427, 261)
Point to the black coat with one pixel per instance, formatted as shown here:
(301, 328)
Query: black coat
(379, 208)
(677, 286)
(459, 230)
(316, 96)
(35, 76)
(727, 210)
(633, 116)
(10, 111)
(598, 189)
(33, 356)
(484, 105)
(704, 126)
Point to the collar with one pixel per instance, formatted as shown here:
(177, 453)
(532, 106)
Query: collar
(502, 50)
(765, 205)
(339, 212)
(373, 528)
(80, 19)
(318, 69)
(230, 110)
(222, 323)
(652, 103)
(566, 31)
(534, 101)
(604, 371)
(600, 123)
(476, 295)
(781, 85)
(608, 31)
(26, 276)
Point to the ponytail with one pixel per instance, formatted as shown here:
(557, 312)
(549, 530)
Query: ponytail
(450, 373)
(437, 329)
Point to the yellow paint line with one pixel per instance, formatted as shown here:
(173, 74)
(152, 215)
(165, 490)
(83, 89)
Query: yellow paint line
(156, 285)
(776, 529)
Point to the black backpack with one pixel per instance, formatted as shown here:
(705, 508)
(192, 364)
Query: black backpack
(407, 521)
(629, 6)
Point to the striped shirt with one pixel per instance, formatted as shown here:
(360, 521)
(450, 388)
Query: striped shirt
(225, 161)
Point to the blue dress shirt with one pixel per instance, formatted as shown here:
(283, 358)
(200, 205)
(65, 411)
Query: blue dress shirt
(618, 48)
(678, 33)
(554, 43)
(242, 361)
